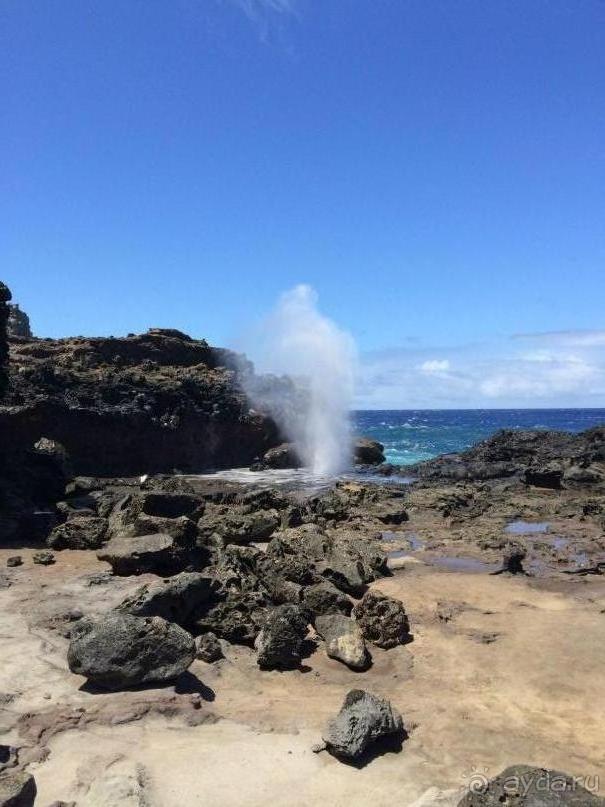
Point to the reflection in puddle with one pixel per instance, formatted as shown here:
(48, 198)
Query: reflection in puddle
(526, 527)
(465, 565)
(414, 541)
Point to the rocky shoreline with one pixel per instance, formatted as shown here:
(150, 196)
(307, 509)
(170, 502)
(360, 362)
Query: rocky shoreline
(177, 638)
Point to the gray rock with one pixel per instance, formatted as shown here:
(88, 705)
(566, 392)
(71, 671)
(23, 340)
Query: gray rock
(279, 645)
(526, 786)
(363, 719)
(178, 599)
(128, 554)
(17, 789)
(14, 560)
(238, 617)
(344, 640)
(325, 598)
(43, 558)
(241, 528)
(382, 620)
(80, 532)
(368, 452)
(208, 648)
(117, 650)
(282, 456)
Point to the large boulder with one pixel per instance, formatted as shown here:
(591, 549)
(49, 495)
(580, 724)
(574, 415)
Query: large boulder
(282, 456)
(17, 789)
(344, 640)
(241, 528)
(382, 620)
(136, 554)
(80, 532)
(363, 719)
(526, 786)
(279, 645)
(118, 650)
(368, 452)
(237, 617)
(178, 599)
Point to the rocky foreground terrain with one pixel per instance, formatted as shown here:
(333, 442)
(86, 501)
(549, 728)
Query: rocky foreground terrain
(175, 638)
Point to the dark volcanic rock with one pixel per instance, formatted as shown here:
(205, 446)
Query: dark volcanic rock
(282, 456)
(363, 719)
(382, 620)
(512, 561)
(208, 648)
(14, 560)
(118, 650)
(237, 617)
(279, 645)
(178, 599)
(43, 558)
(526, 786)
(325, 598)
(133, 405)
(5, 296)
(129, 554)
(241, 528)
(344, 640)
(17, 789)
(80, 532)
(368, 452)
(546, 476)
(18, 323)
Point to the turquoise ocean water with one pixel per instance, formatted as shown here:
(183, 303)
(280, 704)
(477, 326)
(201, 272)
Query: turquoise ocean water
(413, 435)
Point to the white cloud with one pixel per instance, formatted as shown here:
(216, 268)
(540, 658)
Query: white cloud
(434, 366)
(571, 338)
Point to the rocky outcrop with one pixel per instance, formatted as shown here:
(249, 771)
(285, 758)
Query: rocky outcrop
(119, 650)
(368, 452)
(80, 532)
(178, 599)
(5, 296)
(539, 458)
(382, 620)
(363, 720)
(132, 405)
(159, 553)
(526, 786)
(18, 323)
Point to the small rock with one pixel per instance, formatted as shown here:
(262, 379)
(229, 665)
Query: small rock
(512, 562)
(325, 598)
(43, 558)
(208, 648)
(363, 719)
(17, 789)
(344, 640)
(14, 560)
(80, 532)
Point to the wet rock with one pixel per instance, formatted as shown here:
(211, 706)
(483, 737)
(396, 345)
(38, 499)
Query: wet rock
(325, 598)
(178, 599)
(382, 620)
(80, 532)
(282, 456)
(344, 640)
(368, 452)
(526, 786)
(118, 650)
(17, 789)
(129, 554)
(43, 558)
(208, 648)
(279, 645)
(14, 560)
(391, 513)
(363, 719)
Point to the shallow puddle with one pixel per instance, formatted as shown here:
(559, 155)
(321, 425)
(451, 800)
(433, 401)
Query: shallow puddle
(526, 527)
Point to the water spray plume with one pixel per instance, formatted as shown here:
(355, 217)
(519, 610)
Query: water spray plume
(298, 341)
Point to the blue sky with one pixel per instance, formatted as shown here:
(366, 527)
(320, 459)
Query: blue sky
(434, 169)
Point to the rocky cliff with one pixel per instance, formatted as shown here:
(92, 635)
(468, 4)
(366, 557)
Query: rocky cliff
(132, 405)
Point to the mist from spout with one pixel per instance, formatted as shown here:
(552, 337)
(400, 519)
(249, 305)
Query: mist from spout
(312, 405)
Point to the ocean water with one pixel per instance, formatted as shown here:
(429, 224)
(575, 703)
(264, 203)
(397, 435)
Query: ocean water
(413, 435)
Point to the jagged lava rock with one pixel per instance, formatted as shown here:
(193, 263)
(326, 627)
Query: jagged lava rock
(178, 599)
(382, 620)
(325, 598)
(118, 650)
(208, 648)
(363, 719)
(79, 532)
(136, 554)
(279, 644)
(368, 452)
